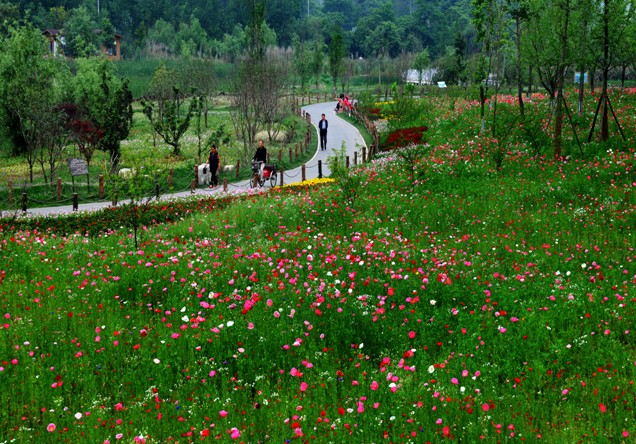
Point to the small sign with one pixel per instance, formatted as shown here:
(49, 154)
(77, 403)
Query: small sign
(77, 166)
(441, 84)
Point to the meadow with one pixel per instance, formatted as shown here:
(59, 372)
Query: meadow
(468, 289)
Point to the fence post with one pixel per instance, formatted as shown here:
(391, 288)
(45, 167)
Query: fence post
(268, 158)
(196, 173)
(364, 154)
(347, 162)
(282, 173)
(280, 155)
(255, 180)
(24, 202)
(157, 190)
(101, 186)
(225, 184)
(114, 201)
(75, 201)
(10, 192)
(302, 169)
(170, 173)
(319, 169)
(59, 188)
(355, 157)
(238, 167)
(291, 159)
(193, 186)
(296, 152)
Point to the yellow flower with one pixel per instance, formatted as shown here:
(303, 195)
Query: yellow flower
(311, 182)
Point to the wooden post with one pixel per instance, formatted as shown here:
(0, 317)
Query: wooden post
(302, 170)
(225, 184)
(280, 155)
(193, 186)
(364, 154)
(75, 202)
(255, 180)
(10, 192)
(291, 159)
(170, 174)
(157, 190)
(196, 174)
(347, 162)
(268, 158)
(296, 152)
(238, 167)
(59, 188)
(319, 169)
(355, 157)
(101, 186)
(114, 201)
(282, 173)
(24, 202)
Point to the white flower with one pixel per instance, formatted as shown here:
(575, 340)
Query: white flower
(230, 323)
(156, 361)
(433, 302)
(431, 369)
(78, 416)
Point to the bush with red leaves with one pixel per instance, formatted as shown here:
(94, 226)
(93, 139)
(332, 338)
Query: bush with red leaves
(404, 137)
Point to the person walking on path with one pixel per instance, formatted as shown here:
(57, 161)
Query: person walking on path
(323, 125)
(214, 163)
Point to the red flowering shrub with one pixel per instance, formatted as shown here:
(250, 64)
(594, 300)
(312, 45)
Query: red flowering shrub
(404, 137)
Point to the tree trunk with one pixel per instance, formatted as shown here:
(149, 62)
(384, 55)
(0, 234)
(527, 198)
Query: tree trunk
(604, 117)
(558, 116)
(519, 80)
(582, 66)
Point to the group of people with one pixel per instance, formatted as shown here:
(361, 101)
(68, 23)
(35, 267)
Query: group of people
(214, 162)
(344, 104)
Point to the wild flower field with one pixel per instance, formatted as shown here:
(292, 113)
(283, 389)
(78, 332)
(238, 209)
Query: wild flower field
(445, 297)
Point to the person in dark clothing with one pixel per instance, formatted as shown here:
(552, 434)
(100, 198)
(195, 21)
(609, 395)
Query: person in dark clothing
(260, 156)
(214, 163)
(322, 126)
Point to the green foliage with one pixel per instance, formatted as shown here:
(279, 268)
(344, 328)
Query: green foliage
(171, 123)
(336, 53)
(347, 180)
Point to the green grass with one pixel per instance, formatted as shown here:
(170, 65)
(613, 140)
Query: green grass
(446, 299)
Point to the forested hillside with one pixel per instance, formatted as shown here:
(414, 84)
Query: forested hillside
(215, 27)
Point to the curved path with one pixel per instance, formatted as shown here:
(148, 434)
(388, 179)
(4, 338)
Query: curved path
(339, 132)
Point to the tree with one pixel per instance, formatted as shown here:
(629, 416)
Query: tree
(29, 89)
(336, 53)
(302, 59)
(420, 63)
(79, 33)
(171, 124)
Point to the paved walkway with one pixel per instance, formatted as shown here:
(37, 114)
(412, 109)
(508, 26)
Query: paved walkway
(339, 132)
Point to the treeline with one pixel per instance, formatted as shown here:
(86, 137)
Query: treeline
(217, 27)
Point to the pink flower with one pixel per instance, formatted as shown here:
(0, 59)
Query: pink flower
(625, 434)
(235, 433)
(51, 428)
(412, 334)
(485, 407)
(454, 381)
(222, 413)
(303, 386)
(602, 408)
(375, 385)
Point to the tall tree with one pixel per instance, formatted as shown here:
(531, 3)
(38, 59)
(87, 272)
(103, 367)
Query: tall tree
(336, 53)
